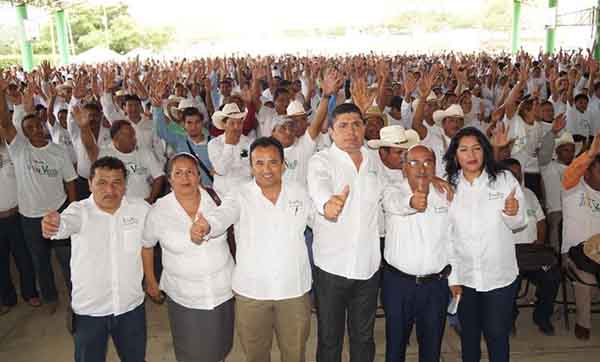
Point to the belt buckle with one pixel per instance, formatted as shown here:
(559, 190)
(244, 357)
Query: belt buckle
(418, 279)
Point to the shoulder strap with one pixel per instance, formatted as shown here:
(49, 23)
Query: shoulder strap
(200, 163)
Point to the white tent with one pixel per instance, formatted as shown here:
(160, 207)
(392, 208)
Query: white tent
(98, 54)
(140, 52)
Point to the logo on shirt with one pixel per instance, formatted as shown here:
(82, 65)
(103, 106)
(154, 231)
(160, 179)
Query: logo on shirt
(495, 195)
(588, 202)
(135, 169)
(531, 212)
(41, 167)
(291, 165)
(129, 221)
(295, 206)
(441, 209)
(244, 154)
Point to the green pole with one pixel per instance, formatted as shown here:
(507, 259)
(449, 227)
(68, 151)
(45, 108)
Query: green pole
(61, 34)
(551, 31)
(26, 52)
(516, 24)
(597, 37)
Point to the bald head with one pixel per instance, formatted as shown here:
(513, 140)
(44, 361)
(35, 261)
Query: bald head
(419, 166)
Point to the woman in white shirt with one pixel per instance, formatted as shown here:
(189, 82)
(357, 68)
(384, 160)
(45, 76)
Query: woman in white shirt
(196, 274)
(483, 214)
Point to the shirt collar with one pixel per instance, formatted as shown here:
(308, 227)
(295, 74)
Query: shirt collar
(95, 205)
(478, 182)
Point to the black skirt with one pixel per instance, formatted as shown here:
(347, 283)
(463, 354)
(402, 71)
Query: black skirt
(199, 334)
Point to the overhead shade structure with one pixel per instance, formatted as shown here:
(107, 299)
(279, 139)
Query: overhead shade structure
(98, 54)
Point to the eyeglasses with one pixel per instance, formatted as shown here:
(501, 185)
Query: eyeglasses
(417, 163)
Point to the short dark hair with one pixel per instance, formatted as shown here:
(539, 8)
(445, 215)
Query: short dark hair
(40, 107)
(264, 142)
(131, 98)
(580, 96)
(346, 108)
(279, 91)
(92, 106)
(396, 102)
(509, 162)
(116, 127)
(110, 163)
(191, 111)
(26, 118)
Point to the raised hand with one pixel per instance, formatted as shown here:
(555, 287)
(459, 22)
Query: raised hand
(500, 136)
(559, 123)
(511, 204)
(50, 224)
(594, 149)
(418, 201)
(332, 82)
(80, 117)
(360, 94)
(333, 208)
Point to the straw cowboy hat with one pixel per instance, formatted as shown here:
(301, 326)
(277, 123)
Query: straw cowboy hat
(230, 110)
(395, 136)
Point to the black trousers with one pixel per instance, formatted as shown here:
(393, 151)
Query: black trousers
(13, 242)
(128, 333)
(407, 303)
(338, 300)
(488, 313)
(546, 288)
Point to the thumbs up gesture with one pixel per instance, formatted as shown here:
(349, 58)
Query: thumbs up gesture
(418, 201)
(200, 228)
(511, 204)
(333, 208)
(50, 224)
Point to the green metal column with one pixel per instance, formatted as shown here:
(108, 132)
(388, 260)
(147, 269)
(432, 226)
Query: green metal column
(597, 37)
(551, 32)
(61, 35)
(516, 25)
(26, 52)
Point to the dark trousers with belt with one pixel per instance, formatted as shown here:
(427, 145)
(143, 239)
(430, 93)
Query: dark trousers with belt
(339, 299)
(489, 313)
(12, 242)
(546, 288)
(128, 332)
(40, 249)
(405, 303)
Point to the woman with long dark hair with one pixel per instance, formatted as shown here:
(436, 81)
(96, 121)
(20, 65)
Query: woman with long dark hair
(484, 213)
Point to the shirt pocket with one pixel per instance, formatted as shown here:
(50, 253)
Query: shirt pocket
(132, 239)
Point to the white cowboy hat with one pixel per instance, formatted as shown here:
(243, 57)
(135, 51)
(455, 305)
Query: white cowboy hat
(565, 138)
(187, 103)
(295, 109)
(395, 136)
(230, 110)
(430, 98)
(278, 121)
(453, 111)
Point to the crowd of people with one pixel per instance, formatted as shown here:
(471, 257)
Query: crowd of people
(247, 191)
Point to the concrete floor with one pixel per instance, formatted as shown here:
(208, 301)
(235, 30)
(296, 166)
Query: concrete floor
(32, 335)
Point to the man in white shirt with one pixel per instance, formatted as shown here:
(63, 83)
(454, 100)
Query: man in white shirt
(267, 116)
(417, 254)
(546, 280)
(145, 176)
(228, 153)
(272, 276)
(581, 220)
(12, 240)
(45, 180)
(346, 183)
(106, 233)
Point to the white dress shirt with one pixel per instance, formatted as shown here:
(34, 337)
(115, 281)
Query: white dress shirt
(271, 256)
(231, 163)
(40, 173)
(484, 243)
(581, 214)
(438, 142)
(391, 177)
(106, 262)
(141, 168)
(296, 158)
(534, 214)
(195, 276)
(348, 247)
(8, 180)
(61, 136)
(416, 243)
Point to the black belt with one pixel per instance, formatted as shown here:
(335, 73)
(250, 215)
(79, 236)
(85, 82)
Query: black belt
(421, 279)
